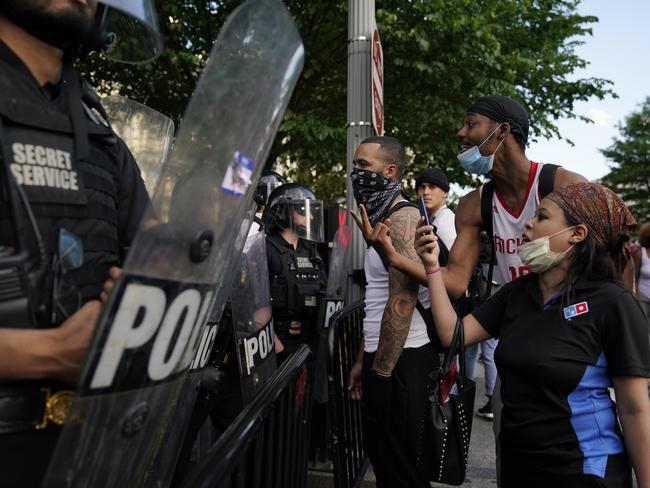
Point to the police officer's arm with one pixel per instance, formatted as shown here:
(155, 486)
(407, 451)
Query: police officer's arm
(464, 254)
(402, 294)
(444, 314)
(56, 353)
(133, 199)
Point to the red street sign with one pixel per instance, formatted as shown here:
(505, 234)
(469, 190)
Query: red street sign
(377, 91)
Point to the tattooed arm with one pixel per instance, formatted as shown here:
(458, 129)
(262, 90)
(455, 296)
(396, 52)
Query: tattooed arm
(402, 293)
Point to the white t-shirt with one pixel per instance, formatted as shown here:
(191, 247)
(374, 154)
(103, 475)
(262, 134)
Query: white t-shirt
(508, 228)
(376, 299)
(444, 220)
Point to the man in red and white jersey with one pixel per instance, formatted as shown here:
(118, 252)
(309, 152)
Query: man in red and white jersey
(492, 142)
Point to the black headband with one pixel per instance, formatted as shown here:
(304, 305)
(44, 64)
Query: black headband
(503, 109)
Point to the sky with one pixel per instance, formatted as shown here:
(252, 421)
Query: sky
(617, 51)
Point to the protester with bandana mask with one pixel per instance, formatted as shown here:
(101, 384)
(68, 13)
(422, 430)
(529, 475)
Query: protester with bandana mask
(568, 331)
(396, 356)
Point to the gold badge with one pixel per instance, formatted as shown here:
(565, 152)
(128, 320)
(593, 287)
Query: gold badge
(57, 407)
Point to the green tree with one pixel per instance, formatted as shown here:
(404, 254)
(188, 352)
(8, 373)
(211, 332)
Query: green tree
(630, 162)
(439, 56)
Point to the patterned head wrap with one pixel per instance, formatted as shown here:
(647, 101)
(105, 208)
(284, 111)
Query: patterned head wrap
(602, 211)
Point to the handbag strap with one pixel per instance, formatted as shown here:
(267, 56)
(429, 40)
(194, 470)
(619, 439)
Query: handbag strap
(461, 348)
(457, 347)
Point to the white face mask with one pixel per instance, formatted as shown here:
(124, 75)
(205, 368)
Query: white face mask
(537, 254)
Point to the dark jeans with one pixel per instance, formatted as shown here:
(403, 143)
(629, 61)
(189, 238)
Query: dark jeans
(392, 445)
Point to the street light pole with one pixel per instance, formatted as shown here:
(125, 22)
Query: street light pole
(361, 23)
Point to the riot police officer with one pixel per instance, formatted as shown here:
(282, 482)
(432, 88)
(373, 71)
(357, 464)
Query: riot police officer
(71, 201)
(294, 223)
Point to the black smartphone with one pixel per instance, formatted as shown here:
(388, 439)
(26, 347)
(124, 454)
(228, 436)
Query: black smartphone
(425, 214)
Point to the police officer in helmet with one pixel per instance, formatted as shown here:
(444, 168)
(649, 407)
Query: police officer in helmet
(294, 223)
(71, 200)
(269, 181)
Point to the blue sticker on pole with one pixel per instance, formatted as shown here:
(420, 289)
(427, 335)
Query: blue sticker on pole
(238, 175)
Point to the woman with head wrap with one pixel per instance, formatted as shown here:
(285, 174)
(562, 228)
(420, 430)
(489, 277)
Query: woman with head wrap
(568, 331)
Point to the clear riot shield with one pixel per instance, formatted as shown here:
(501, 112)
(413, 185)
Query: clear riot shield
(199, 379)
(147, 133)
(334, 300)
(251, 316)
(150, 328)
(339, 269)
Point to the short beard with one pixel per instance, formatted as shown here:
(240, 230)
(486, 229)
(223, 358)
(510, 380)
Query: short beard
(65, 29)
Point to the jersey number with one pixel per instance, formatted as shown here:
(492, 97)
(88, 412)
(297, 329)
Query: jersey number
(517, 271)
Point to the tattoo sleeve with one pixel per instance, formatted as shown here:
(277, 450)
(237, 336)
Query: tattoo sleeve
(402, 293)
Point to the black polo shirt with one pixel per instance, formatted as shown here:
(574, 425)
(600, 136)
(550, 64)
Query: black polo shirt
(556, 361)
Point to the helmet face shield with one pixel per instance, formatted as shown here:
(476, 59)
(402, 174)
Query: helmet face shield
(305, 218)
(132, 27)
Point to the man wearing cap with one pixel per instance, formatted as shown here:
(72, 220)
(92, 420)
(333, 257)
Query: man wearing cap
(432, 185)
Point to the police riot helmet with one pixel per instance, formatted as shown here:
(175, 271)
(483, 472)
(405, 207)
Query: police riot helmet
(269, 181)
(126, 29)
(294, 206)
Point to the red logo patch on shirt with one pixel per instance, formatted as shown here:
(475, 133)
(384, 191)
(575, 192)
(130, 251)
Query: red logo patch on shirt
(575, 310)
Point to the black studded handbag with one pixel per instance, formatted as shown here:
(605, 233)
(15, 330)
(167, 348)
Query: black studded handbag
(447, 426)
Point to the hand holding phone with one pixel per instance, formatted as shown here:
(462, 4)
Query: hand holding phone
(424, 213)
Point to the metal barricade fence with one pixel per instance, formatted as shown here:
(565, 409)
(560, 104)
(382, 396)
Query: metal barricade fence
(348, 454)
(266, 445)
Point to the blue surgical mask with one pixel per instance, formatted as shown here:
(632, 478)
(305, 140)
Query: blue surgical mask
(474, 162)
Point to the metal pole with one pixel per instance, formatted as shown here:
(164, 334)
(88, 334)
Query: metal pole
(361, 21)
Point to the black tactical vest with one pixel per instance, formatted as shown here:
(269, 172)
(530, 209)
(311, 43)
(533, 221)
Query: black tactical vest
(296, 292)
(64, 191)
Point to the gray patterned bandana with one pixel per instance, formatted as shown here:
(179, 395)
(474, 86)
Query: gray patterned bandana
(375, 192)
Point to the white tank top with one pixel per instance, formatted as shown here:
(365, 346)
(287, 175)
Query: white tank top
(508, 228)
(376, 298)
(644, 276)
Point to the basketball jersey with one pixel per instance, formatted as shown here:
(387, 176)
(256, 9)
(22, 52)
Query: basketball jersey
(508, 228)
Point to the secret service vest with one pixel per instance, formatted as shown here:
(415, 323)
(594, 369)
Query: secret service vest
(296, 292)
(78, 194)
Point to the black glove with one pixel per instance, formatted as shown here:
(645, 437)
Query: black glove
(376, 396)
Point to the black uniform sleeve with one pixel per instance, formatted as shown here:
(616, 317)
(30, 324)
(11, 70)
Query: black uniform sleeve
(490, 313)
(133, 200)
(322, 271)
(274, 263)
(625, 337)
